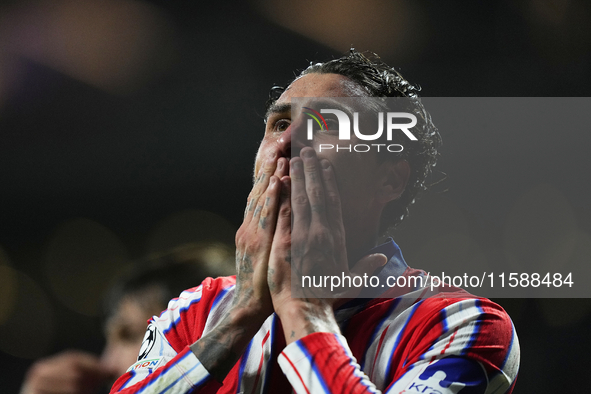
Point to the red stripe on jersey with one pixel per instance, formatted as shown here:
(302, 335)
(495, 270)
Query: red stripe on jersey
(331, 361)
(297, 373)
(379, 348)
(424, 329)
(495, 333)
(262, 360)
(190, 326)
(448, 344)
(361, 328)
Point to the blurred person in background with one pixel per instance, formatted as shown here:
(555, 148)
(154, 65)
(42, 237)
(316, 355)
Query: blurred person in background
(140, 293)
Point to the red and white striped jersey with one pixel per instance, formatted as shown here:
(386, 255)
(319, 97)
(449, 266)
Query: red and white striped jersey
(425, 342)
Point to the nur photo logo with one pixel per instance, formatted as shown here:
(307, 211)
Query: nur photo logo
(388, 123)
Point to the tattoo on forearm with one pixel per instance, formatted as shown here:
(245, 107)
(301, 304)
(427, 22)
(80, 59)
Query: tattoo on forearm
(220, 349)
(244, 273)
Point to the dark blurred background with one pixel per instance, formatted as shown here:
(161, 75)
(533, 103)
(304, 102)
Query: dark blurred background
(130, 127)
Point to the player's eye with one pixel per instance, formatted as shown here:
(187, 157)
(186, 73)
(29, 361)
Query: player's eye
(281, 125)
(332, 123)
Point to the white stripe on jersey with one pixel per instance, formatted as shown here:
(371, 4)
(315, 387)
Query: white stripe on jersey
(256, 360)
(221, 304)
(180, 377)
(171, 316)
(457, 335)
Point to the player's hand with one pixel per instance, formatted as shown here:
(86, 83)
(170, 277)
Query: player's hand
(70, 372)
(220, 348)
(254, 239)
(314, 245)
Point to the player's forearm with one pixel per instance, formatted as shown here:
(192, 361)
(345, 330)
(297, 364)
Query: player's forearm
(220, 349)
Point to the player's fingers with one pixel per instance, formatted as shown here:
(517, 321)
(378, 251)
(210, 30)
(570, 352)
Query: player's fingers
(284, 213)
(266, 211)
(299, 198)
(314, 185)
(252, 199)
(279, 274)
(332, 197)
(260, 186)
(267, 202)
(282, 168)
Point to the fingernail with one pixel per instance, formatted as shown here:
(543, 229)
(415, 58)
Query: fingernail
(280, 164)
(325, 164)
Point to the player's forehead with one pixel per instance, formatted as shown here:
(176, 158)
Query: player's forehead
(322, 85)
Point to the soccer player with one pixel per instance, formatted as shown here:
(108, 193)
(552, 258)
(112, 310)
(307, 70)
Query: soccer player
(316, 211)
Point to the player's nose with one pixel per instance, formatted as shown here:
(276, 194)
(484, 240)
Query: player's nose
(293, 139)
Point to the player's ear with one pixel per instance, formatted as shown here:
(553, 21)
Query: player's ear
(393, 177)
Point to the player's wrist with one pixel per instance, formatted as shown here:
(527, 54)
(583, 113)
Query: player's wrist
(304, 317)
(220, 349)
(296, 308)
(250, 316)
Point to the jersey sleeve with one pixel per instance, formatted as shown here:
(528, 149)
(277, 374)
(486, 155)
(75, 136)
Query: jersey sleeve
(322, 363)
(166, 363)
(447, 347)
(181, 374)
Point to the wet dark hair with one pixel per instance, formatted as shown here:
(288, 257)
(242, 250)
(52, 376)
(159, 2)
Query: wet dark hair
(162, 278)
(381, 80)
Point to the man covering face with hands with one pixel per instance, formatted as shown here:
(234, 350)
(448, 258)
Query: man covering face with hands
(315, 214)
